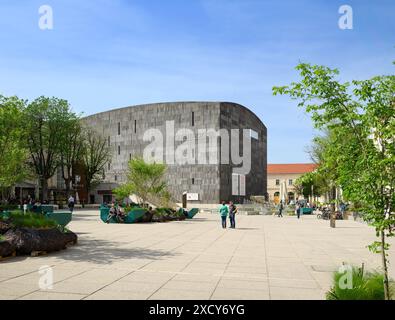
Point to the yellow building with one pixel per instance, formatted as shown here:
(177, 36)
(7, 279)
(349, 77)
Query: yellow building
(281, 179)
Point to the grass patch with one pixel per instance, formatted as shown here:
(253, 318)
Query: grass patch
(30, 220)
(357, 285)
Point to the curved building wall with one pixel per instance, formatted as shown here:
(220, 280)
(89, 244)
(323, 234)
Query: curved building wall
(124, 130)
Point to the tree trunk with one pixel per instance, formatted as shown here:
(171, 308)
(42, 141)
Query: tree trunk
(44, 189)
(67, 189)
(385, 267)
(87, 188)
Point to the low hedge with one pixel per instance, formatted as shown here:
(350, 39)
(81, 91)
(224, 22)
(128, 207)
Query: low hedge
(30, 220)
(8, 207)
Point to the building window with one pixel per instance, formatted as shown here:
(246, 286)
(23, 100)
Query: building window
(277, 182)
(109, 140)
(290, 182)
(116, 178)
(119, 128)
(193, 180)
(130, 156)
(193, 119)
(109, 166)
(119, 150)
(135, 126)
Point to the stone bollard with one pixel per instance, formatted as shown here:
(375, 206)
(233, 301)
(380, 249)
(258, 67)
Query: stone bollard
(333, 220)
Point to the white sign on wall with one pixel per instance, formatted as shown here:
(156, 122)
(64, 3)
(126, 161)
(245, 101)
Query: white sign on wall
(254, 134)
(192, 196)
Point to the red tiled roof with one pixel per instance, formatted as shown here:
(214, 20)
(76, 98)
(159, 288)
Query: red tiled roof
(291, 168)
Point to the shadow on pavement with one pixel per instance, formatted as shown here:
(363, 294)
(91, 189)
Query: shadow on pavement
(107, 252)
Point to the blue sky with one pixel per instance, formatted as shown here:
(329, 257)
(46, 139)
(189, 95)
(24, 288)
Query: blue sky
(104, 54)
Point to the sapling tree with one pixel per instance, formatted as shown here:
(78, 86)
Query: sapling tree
(96, 154)
(361, 118)
(146, 180)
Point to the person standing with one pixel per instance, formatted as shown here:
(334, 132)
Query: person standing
(342, 209)
(71, 203)
(232, 215)
(224, 211)
(280, 209)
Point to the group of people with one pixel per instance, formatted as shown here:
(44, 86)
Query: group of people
(228, 210)
(116, 212)
(298, 208)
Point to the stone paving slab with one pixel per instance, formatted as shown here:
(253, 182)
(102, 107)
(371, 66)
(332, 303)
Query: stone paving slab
(266, 258)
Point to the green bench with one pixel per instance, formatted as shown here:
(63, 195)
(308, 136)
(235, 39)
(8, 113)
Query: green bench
(307, 211)
(61, 218)
(131, 217)
(189, 214)
(4, 214)
(192, 213)
(44, 208)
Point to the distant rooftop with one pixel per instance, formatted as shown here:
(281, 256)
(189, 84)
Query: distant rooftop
(291, 168)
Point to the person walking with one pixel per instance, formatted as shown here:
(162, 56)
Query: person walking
(280, 209)
(71, 203)
(232, 215)
(298, 210)
(223, 211)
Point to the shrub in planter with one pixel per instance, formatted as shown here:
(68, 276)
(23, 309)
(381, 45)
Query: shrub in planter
(147, 217)
(363, 286)
(167, 214)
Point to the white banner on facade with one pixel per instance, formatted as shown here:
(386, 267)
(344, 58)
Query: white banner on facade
(238, 184)
(242, 185)
(235, 184)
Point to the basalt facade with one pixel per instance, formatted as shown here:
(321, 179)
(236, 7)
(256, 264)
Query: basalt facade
(204, 181)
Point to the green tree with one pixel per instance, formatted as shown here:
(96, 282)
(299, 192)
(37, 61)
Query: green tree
(13, 153)
(324, 177)
(46, 120)
(96, 155)
(361, 117)
(145, 180)
(72, 151)
(310, 184)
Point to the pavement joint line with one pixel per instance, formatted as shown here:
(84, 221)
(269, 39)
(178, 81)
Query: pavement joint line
(232, 256)
(187, 264)
(266, 255)
(166, 252)
(56, 282)
(22, 275)
(229, 259)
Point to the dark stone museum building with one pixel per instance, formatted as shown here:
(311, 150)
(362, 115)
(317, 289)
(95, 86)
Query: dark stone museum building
(214, 150)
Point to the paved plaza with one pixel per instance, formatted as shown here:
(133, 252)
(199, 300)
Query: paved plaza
(266, 258)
